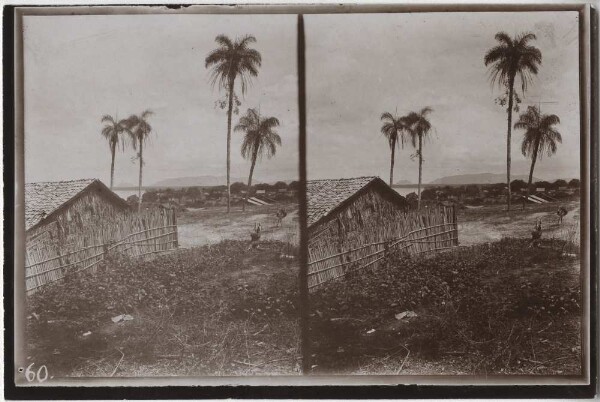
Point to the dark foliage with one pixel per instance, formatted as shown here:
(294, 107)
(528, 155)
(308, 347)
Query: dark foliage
(488, 302)
(185, 292)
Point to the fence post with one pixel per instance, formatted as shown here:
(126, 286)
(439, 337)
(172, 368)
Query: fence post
(175, 224)
(455, 224)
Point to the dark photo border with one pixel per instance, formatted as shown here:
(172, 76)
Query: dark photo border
(13, 142)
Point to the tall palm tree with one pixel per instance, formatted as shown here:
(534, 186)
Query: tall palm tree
(139, 130)
(230, 60)
(393, 129)
(512, 57)
(260, 139)
(112, 131)
(540, 136)
(418, 128)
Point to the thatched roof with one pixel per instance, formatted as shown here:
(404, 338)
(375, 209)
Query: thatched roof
(324, 196)
(44, 198)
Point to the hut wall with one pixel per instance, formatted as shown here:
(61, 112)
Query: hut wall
(359, 235)
(80, 235)
(365, 224)
(367, 210)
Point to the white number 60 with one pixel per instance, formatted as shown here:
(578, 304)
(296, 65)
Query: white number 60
(41, 375)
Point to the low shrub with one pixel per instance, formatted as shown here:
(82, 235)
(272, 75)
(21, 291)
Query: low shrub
(480, 300)
(200, 292)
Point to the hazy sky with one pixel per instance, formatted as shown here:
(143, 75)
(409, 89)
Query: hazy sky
(359, 66)
(78, 68)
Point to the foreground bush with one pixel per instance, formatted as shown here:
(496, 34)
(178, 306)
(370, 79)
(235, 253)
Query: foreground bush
(198, 302)
(502, 307)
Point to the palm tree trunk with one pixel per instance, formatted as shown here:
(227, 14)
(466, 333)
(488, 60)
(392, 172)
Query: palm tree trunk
(254, 155)
(392, 163)
(112, 165)
(533, 160)
(508, 135)
(229, 111)
(420, 170)
(140, 180)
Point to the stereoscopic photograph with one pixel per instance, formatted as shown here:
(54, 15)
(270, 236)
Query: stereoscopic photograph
(330, 198)
(161, 212)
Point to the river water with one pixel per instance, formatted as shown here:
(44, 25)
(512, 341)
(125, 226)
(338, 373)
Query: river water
(406, 190)
(126, 193)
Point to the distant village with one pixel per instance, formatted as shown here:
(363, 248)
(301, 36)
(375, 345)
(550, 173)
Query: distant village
(281, 192)
(490, 194)
(215, 196)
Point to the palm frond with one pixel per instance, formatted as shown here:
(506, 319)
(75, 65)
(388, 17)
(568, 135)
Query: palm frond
(525, 37)
(107, 119)
(224, 41)
(549, 120)
(539, 133)
(494, 54)
(504, 38)
(245, 41)
(146, 113)
(260, 137)
(232, 60)
(511, 58)
(387, 116)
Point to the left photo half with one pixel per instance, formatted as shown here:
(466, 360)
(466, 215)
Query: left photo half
(160, 184)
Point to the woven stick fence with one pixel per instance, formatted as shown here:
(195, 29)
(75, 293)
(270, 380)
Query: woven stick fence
(333, 254)
(569, 237)
(137, 235)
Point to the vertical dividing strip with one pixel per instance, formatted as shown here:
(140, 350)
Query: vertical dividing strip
(303, 275)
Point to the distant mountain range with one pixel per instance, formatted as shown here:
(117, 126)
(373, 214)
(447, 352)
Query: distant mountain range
(402, 182)
(479, 178)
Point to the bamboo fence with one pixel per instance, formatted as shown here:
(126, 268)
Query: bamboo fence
(137, 235)
(570, 239)
(333, 253)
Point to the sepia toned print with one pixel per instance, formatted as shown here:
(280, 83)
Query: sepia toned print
(362, 195)
(161, 196)
(444, 194)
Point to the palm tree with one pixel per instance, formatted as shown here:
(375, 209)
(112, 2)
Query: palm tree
(260, 139)
(418, 128)
(139, 130)
(393, 129)
(540, 136)
(113, 131)
(512, 57)
(228, 61)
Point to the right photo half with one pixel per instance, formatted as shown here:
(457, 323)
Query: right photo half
(443, 194)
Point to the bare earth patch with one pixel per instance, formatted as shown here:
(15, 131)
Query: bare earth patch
(492, 223)
(212, 225)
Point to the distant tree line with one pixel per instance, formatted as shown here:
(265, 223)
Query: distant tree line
(195, 196)
(482, 193)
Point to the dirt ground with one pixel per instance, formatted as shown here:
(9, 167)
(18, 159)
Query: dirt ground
(199, 227)
(493, 222)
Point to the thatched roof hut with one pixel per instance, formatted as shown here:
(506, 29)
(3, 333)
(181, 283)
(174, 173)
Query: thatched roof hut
(59, 203)
(327, 199)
